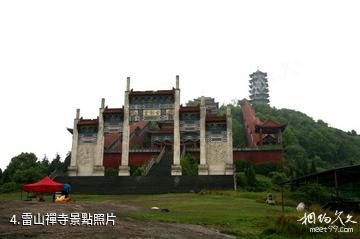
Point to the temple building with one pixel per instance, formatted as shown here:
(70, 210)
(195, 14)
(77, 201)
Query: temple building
(153, 130)
(149, 123)
(259, 88)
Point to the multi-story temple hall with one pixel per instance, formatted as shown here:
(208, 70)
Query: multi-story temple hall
(153, 130)
(120, 136)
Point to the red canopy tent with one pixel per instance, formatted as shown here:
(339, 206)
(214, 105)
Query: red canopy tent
(45, 185)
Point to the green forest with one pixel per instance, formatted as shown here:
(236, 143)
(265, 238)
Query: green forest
(313, 142)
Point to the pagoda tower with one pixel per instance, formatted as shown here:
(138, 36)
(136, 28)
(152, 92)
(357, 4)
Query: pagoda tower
(259, 88)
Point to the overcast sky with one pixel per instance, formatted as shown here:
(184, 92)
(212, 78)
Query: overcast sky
(56, 56)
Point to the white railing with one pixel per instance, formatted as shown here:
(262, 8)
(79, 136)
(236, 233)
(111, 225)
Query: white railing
(153, 161)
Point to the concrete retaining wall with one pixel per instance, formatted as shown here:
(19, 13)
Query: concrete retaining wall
(146, 184)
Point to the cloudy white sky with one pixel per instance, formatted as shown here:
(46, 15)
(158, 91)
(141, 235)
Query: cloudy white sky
(56, 56)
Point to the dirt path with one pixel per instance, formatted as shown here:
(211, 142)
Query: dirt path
(122, 229)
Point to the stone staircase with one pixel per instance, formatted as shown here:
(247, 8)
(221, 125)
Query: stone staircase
(163, 167)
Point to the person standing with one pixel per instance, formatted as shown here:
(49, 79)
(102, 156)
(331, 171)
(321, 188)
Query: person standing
(66, 189)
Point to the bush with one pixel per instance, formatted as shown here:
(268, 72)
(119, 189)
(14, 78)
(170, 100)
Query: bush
(241, 165)
(266, 168)
(111, 172)
(250, 176)
(249, 179)
(190, 165)
(263, 184)
(286, 226)
(311, 193)
(289, 225)
(9, 187)
(278, 177)
(241, 180)
(136, 170)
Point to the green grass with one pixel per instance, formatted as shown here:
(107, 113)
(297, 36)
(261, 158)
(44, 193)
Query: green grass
(237, 213)
(15, 196)
(243, 214)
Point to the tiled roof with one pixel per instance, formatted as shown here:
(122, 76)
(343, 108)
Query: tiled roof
(270, 123)
(113, 110)
(150, 92)
(215, 118)
(189, 109)
(88, 121)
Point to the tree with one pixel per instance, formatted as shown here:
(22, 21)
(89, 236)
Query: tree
(45, 162)
(321, 122)
(55, 164)
(29, 175)
(289, 137)
(1, 176)
(20, 162)
(239, 138)
(24, 168)
(313, 167)
(278, 177)
(296, 159)
(67, 162)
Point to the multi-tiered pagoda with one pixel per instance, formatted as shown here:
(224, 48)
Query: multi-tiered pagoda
(259, 88)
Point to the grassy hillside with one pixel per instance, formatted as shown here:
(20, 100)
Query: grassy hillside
(309, 145)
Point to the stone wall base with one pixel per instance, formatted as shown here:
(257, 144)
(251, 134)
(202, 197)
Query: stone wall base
(203, 169)
(229, 169)
(176, 170)
(98, 170)
(72, 170)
